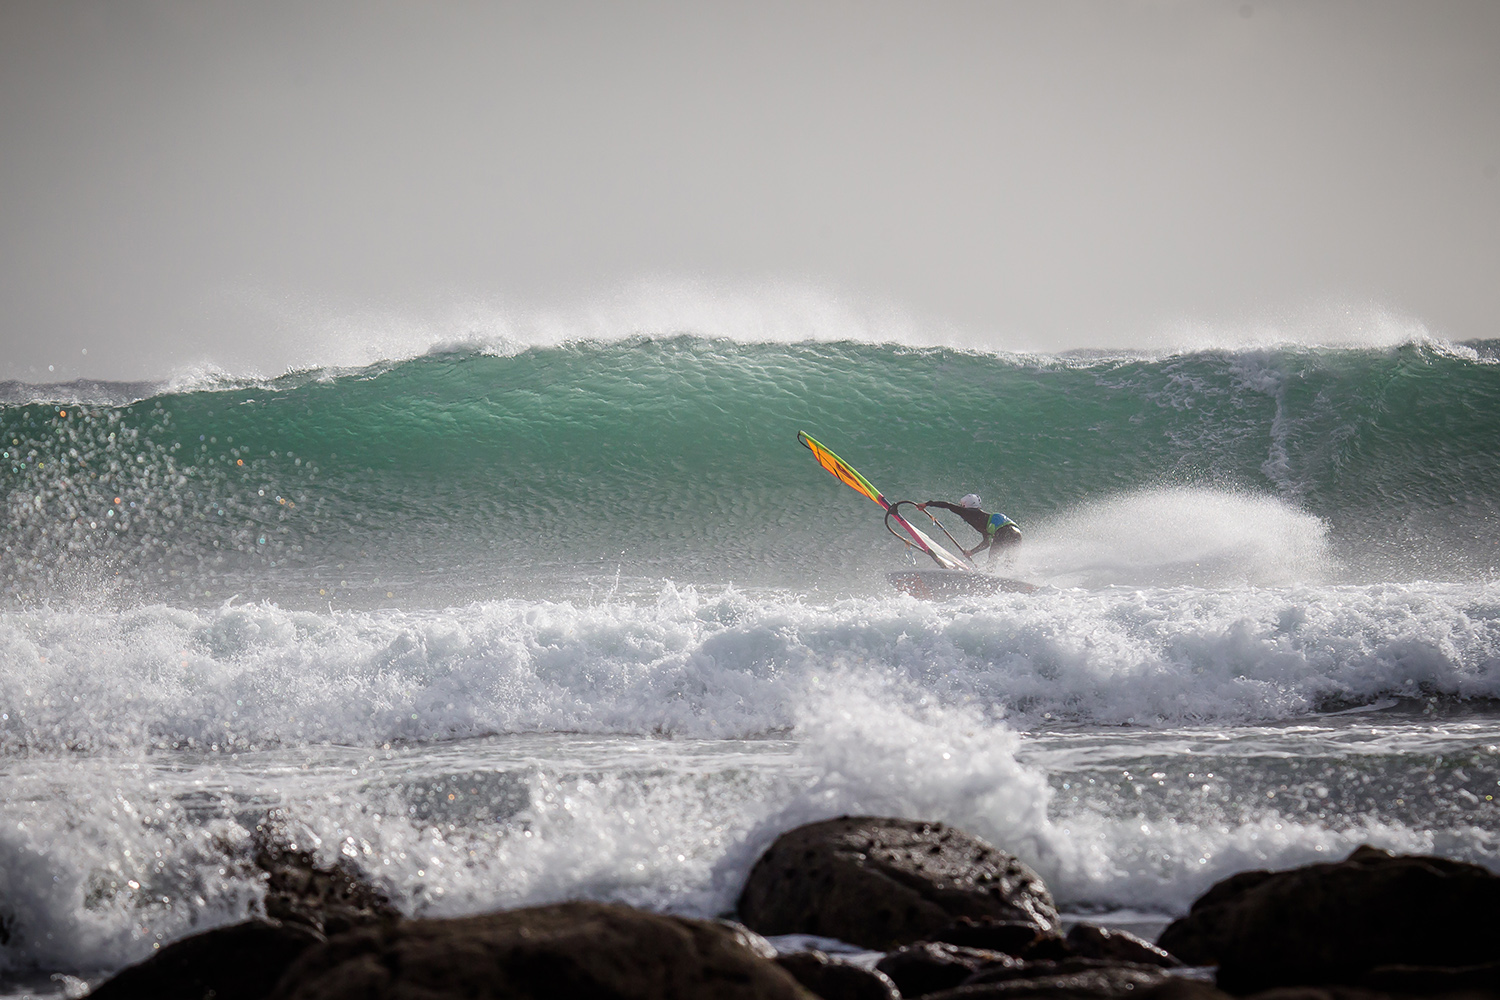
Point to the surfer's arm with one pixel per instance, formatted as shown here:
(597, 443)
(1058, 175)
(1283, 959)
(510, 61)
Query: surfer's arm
(972, 516)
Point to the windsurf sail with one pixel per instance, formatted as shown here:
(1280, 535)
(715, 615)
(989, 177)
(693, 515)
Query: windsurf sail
(846, 474)
(841, 469)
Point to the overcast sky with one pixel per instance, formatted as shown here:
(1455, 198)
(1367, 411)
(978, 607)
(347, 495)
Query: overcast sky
(205, 182)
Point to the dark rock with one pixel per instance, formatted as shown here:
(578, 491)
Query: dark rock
(329, 899)
(1048, 948)
(1185, 989)
(881, 883)
(929, 966)
(1048, 968)
(1104, 982)
(594, 950)
(1429, 980)
(1333, 923)
(835, 980)
(748, 939)
(1195, 938)
(240, 962)
(1013, 937)
(1092, 941)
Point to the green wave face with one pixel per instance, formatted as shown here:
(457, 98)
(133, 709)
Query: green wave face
(679, 458)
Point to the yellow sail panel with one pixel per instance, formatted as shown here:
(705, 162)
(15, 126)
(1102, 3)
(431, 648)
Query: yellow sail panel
(840, 468)
(852, 479)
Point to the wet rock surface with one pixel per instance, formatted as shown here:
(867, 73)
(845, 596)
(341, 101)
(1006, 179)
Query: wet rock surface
(929, 966)
(1013, 937)
(1335, 923)
(1050, 969)
(881, 883)
(240, 962)
(329, 899)
(1090, 941)
(1483, 978)
(1198, 938)
(835, 980)
(1185, 989)
(979, 924)
(1100, 980)
(565, 950)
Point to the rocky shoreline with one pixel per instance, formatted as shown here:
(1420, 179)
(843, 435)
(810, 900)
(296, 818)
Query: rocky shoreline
(954, 918)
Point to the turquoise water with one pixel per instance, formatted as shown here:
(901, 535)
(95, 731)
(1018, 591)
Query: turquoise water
(585, 621)
(677, 458)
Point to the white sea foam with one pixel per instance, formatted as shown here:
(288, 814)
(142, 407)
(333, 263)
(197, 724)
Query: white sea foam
(729, 665)
(886, 706)
(106, 859)
(97, 869)
(1107, 861)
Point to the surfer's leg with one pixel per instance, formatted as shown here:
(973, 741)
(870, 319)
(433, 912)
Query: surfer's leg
(1005, 539)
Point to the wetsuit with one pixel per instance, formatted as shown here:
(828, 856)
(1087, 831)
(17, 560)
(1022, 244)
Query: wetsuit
(999, 531)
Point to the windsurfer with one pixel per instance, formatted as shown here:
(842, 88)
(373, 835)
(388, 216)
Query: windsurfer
(999, 532)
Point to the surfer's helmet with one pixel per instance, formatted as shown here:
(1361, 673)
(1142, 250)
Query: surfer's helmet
(969, 500)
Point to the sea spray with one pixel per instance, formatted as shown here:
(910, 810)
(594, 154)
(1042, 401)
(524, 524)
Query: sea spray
(581, 620)
(730, 665)
(1165, 535)
(453, 476)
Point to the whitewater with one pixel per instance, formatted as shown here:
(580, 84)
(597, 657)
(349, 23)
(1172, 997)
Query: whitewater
(508, 624)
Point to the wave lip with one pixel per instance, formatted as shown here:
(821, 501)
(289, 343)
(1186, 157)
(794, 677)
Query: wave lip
(89, 391)
(676, 458)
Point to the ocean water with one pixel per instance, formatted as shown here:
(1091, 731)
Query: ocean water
(509, 624)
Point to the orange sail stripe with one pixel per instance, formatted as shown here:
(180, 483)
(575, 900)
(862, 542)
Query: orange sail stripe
(841, 469)
(846, 474)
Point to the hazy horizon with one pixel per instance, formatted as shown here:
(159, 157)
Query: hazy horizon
(261, 186)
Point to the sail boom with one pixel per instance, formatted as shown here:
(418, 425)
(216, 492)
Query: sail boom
(850, 477)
